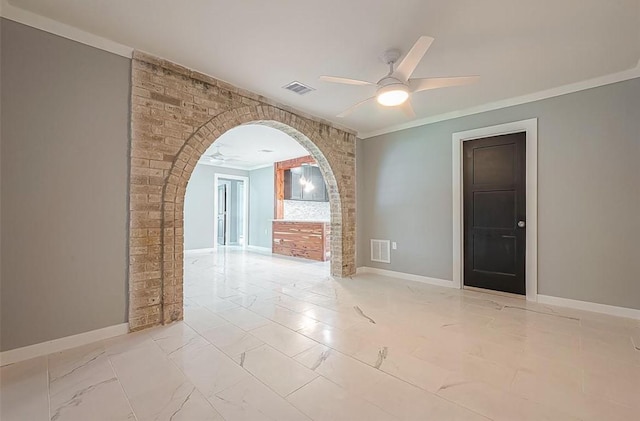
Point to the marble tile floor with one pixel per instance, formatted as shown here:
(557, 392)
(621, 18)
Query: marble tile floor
(270, 338)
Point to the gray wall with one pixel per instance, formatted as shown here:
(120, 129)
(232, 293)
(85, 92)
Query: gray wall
(65, 119)
(588, 194)
(199, 217)
(198, 209)
(261, 203)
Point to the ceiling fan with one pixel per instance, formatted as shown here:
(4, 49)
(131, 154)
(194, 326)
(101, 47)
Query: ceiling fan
(218, 156)
(397, 86)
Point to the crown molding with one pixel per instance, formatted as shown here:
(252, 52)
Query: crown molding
(491, 106)
(235, 167)
(34, 20)
(261, 166)
(228, 166)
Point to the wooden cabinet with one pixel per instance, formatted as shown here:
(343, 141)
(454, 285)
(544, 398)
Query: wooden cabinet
(293, 190)
(302, 239)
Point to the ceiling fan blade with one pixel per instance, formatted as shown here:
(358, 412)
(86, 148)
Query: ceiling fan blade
(407, 108)
(418, 85)
(345, 81)
(354, 107)
(413, 57)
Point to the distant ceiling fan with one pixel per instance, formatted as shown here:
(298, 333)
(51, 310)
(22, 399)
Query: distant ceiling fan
(218, 156)
(395, 88)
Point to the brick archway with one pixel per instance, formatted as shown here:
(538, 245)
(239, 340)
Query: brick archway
(176, 115)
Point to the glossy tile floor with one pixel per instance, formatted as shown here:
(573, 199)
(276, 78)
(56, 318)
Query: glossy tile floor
(267, 338)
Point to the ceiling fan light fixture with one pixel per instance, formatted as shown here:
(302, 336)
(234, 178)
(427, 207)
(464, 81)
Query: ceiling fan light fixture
(392, 95)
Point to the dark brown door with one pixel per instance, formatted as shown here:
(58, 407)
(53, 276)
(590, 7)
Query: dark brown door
(494, 213)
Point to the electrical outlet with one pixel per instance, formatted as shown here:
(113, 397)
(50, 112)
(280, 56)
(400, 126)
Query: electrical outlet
(394, 245)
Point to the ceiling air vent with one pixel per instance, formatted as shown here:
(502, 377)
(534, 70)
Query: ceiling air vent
(299, 88)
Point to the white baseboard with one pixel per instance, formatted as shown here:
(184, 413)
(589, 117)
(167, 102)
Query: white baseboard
(61, 344)
(630, 313)
(405, 276)
(196, 251)
(211, 250)
(260, 249)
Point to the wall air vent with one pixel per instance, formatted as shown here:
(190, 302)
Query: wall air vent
(380, 251)
(299, 88)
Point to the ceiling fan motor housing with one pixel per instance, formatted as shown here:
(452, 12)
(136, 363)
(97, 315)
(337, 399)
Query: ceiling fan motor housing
(392, 91)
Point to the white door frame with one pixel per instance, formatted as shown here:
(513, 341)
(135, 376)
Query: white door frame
(530, 127)
(245, 205)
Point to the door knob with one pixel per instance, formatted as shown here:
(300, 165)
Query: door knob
(521, 224)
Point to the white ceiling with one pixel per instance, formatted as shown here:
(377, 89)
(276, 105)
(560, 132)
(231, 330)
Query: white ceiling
(245, 146)
(518, 47)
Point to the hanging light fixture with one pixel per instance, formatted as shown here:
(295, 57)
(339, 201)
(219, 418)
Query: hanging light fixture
(309, 187)
(306, 182)
(303, 179)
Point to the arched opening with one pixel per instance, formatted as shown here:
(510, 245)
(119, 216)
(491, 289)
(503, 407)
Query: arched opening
(176, 114)
(283, 244)
(173, 205)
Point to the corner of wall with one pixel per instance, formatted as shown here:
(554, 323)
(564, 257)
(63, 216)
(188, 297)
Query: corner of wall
(360, 193)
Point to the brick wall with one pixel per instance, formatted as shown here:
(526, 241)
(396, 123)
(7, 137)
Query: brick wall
(176, 114)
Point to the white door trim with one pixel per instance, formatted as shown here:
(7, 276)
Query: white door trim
(245, 205)
(530, 127)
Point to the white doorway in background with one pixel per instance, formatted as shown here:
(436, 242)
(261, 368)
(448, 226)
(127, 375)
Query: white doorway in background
(236, 218)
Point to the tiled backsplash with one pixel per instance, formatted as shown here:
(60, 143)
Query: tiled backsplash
(306, 211)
